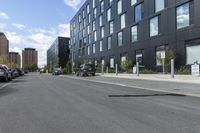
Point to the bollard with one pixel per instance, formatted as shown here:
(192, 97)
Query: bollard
(102, 66)
(172, 68)
(107, 70)
(163, 65)
(116, 69)
(138, 69)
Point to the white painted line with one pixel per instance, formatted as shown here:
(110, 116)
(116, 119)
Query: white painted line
(130, 86)
(5, 85)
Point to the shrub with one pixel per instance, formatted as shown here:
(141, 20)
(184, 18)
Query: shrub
(127, 65)
(183, 71)
(148, 71)
(68, 68)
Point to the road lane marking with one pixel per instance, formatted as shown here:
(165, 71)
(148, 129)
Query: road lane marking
(5, 85)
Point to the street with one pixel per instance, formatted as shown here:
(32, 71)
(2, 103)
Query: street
(54, 104)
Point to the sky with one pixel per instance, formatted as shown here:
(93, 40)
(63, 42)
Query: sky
(36, 23)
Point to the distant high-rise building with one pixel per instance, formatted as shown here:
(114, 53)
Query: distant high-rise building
(58, 53)
(29, 57)
(4, 45)
(15, 58)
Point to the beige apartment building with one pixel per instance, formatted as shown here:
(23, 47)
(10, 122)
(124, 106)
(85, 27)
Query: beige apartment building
(4, 46)
(29, 57)
(15, 58)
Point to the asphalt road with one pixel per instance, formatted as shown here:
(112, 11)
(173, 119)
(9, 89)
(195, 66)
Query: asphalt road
(51, 104)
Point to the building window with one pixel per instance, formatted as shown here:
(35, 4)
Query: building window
(133, 2)
(102, 32)
(138, 13)
(93, 3)
(183, 16)
(83, 13)
(93, 25)
(100, 21)
(94, 48)
(134, 34)
(159, 51)
(123, 59)
(100, 46)
(102, 6)
(88, 29)
(84, 33)
(119, 7)
(109, 14)
(95, 36)
(88, 8)
(79, 18)
(139, 56)
(193, 54)
(154, 27)
(123, 21)
(95, 12)
(84, 22)
(159, 5)
(111, 27)
(102, 62)
(112, 62)
(84, 41)
(119, 38)
(89, 39)
(109, 43)
(88, 50)
(110, 1)
(89, 18)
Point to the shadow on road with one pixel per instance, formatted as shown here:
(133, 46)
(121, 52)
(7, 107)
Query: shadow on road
(151, 95)
(7, 91)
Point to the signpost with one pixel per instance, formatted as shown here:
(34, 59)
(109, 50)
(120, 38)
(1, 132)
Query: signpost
(163, 61)
(195, 70)
(134, 70)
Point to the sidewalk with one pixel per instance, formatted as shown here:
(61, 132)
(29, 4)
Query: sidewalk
(157, 77)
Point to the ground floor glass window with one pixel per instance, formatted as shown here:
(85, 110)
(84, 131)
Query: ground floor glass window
(193, 54)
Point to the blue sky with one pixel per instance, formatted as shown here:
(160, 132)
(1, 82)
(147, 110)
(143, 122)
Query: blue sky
(36, 23)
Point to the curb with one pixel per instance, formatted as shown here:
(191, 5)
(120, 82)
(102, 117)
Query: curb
(153, 79)
(130, 86)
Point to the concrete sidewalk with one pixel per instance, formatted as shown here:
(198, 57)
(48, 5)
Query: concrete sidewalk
(157, 77)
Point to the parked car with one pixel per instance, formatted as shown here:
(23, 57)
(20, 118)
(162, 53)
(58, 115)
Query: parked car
(12, 73)
(86, 70)
(7, 70)
(21, 72)
(26, 71)
(3, 74)
(15, 73)
(57, 71)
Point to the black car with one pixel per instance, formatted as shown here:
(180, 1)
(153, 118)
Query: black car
(3, 74)
(57, 71)
(86, 70)
(20, 72)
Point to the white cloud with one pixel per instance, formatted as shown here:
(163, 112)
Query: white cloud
(2, 26)
(19, 26)
(14, 38)
(64, 30)
(38, 38)
(72, 3)
(3, 15)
